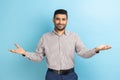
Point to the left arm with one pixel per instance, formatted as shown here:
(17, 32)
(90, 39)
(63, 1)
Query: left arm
(81, 49)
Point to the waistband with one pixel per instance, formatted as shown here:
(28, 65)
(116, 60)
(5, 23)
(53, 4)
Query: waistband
(62, 72)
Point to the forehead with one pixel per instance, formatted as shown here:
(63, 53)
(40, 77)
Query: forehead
(60, 16)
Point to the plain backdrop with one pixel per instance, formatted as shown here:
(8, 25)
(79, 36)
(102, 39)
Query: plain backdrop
(25, 21)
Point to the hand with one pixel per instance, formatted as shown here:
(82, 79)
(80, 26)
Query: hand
(19, 50)
(103, 47)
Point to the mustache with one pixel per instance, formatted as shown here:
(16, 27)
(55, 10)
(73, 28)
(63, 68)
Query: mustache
(60, 24)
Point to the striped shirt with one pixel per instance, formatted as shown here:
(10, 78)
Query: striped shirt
(59, 50)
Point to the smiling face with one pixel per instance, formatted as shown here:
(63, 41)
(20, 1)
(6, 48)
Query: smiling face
(60, 21)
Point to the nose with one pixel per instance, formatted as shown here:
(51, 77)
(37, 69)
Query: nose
(60, 21)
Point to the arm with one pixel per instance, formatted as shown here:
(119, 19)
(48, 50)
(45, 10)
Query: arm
(38, 55)
(86, 53)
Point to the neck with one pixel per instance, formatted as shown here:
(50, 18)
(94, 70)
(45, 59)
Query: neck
(60, 32)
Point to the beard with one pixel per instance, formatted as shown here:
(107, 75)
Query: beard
(60, 27)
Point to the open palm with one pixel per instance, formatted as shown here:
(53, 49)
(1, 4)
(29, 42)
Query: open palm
(19, 50)
(104, 47)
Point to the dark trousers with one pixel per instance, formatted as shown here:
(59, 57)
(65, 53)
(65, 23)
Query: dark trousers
(50, 75)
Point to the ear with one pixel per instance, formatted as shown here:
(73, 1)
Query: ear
(67, 20)
(53, 20)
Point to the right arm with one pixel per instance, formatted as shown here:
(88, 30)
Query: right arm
(36, 56)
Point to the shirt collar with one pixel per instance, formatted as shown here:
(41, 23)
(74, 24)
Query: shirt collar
(65, 33)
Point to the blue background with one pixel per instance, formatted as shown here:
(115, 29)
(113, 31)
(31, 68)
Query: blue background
(25, 21)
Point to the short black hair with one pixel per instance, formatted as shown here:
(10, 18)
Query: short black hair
(60, 11)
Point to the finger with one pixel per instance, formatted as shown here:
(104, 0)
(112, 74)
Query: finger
(17, 45)
(14, 51)
(108, 46)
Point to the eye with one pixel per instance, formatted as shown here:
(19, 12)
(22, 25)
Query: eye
(63, 19)
(57, 19)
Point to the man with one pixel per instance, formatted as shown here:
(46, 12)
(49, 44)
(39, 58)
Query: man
(59, 46)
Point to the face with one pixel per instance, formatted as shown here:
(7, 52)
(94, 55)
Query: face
(60, 21)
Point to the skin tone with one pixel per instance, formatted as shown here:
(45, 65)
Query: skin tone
(60, 22)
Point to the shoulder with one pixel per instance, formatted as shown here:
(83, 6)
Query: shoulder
(48, 34)
(72, 34)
